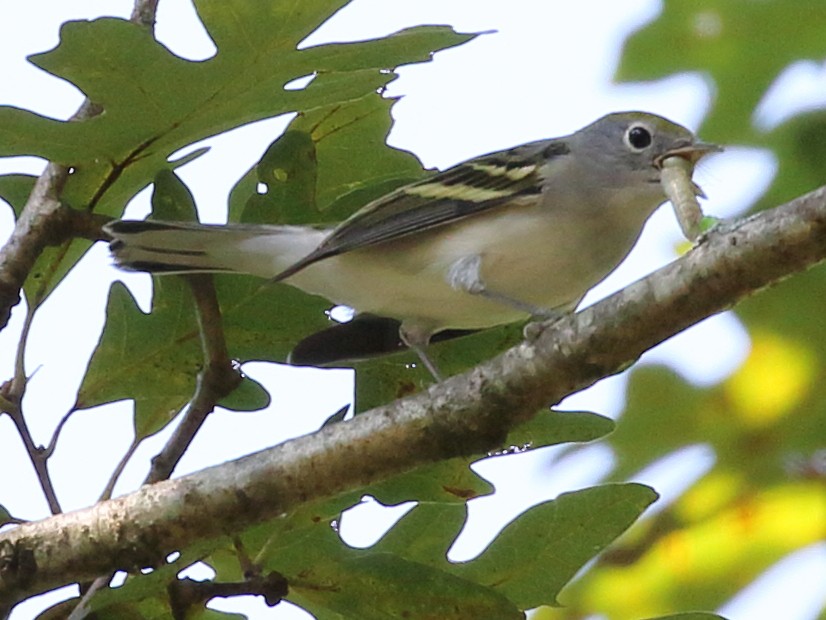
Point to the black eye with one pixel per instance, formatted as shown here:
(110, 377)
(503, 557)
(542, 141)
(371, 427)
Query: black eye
(638, 137)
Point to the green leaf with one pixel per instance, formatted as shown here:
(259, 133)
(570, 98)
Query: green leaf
(332, 580)
(426, 533)
(376, 586)
(171, 198)
(263, 321)
(289, 170)
(454, 480)
(550, 428)
(691, 615)
(248, 396)
(51, 267)
(6, 517)
(390, 377)
(15, 190)
(332, 161)
(353, 156)
(541, 550)
(538, 552)
(156, 103)
(153, 358)
(716, 38)
(447, 481)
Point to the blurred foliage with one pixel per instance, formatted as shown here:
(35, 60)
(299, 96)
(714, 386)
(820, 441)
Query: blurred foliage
(765, 495)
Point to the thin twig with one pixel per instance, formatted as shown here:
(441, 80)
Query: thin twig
(248, 567)
(186, 594)
(49, 450)
(20, 380)
(81, 610)
(218, 378)
(36, 457)
(113, 479)
(13, 393)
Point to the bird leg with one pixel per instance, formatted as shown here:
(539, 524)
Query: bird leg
(417, 339)
(465, 275)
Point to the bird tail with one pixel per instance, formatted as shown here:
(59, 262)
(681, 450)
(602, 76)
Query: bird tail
(182, 247)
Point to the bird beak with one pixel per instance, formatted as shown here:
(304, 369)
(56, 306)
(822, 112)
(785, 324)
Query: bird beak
(693, 152)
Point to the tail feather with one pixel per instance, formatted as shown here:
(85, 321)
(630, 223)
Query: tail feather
(182, 247)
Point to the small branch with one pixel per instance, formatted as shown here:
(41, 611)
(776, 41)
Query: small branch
(30, 236)
(113, 479)
(219, 377)
(36, 455)
(81, 610)
(12, 398)
(20, 381)
(86, 225)
(63, 224)
(248, 567)
(143, 13)
(49, 450)
(184, 594)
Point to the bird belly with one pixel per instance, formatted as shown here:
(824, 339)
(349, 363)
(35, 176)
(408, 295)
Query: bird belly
(527, 253)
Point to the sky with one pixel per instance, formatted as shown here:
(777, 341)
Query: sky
(536, 73)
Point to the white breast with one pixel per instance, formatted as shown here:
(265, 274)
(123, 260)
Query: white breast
(545, 259)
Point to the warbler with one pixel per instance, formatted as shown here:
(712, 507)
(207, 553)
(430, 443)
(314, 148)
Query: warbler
(499, 238)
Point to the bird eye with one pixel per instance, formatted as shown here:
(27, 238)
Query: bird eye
(638, 137)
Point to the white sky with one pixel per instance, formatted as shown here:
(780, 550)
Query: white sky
(539, 75)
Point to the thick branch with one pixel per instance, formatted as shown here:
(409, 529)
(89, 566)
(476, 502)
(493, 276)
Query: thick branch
(464, 415)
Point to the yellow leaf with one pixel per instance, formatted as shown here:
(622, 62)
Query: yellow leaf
(774, 379)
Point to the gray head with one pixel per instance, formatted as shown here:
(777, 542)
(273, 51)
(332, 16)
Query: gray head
(630, 146)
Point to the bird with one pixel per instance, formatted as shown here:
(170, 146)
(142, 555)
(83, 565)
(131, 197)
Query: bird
(518, 233)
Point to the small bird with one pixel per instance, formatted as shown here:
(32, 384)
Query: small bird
(522, 232)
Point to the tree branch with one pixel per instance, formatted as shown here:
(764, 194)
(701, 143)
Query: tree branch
(143, 13)
(30, 236)
(467, 414)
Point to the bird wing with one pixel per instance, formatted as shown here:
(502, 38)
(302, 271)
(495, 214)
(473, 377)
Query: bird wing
(469, 188)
